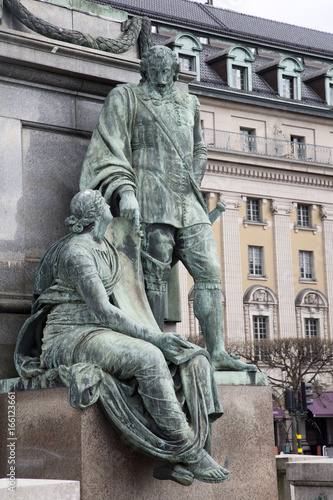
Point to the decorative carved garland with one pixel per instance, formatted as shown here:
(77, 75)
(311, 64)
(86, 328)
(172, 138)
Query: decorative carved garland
(136, 29)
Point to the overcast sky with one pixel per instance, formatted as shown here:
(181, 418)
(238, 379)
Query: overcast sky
(315, 14)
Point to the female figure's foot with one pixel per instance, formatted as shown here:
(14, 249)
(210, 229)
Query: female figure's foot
(205, 470)
(208, 471)
(227, 362)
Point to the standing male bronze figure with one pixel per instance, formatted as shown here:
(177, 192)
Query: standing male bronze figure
(147, 157)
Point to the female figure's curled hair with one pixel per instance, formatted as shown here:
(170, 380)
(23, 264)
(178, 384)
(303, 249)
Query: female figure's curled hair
(84, 210)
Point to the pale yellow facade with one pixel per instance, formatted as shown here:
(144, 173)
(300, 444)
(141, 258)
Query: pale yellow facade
(281, 183)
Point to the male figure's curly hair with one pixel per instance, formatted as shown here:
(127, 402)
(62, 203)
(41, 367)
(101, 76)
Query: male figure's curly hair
(161, 54)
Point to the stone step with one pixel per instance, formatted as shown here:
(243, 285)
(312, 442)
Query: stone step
(39, 489)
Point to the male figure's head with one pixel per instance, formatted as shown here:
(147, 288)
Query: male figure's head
(159, 69)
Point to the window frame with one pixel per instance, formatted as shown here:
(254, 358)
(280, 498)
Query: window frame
(304, 219)
(186, 57)
(308, 323)
(256, 261)
(258, 321)
(253, 210)
(243, 77)
(291, 86)
(306, 265)
(298, 146)
(248, 137)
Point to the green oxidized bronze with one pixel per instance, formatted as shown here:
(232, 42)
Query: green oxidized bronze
(138, 29)
(147, 157)
(81, 332)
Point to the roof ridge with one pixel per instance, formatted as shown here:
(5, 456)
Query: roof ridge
(203, 7)
(263, 18)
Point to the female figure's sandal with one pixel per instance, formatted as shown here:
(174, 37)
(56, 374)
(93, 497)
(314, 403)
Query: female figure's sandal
(176, 473)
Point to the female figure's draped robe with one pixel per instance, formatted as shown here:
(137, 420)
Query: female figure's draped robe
(161, 406)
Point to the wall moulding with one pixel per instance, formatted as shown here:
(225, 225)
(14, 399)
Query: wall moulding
(32, 76)
(315, 181)
(57, 57)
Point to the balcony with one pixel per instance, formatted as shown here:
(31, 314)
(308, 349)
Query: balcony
(262, 146)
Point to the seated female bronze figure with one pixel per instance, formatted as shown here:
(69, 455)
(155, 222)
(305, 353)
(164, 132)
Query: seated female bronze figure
(157, 389)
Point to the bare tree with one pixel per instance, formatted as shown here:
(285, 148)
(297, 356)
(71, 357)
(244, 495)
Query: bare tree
(288, 361)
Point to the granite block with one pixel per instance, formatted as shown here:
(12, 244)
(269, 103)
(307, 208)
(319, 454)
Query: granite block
(36, 104)
(55, 441)
(311, 479)
(281, 467)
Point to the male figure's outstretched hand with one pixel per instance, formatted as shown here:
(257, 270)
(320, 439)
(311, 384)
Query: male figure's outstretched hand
(129, 207)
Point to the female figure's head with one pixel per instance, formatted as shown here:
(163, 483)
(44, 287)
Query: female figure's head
(86, 208)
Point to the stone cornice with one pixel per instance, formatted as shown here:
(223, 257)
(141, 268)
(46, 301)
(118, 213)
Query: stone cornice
(271, 176)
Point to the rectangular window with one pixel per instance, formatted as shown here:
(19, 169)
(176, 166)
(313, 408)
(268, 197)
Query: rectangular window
(256, 265)
(303, 215)
(239, 77)
(248, 137)
(311, 328)
(260, 333)
(253, 210)
(187, 63)
(306, 265)
(288, 86)
(298, 146)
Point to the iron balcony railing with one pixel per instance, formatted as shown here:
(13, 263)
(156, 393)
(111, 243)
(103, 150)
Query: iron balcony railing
(253, 144)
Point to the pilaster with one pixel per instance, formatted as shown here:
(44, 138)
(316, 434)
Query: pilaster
(326, 212)
(281, 210)
(231, 269)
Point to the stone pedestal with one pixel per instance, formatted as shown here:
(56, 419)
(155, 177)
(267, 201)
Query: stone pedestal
(311, 480)
(55, 441)
(282, 462)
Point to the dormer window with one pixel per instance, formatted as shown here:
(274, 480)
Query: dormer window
(187, 47)
(322, 83)
(289, 78)
(284, 76)
(234, 66)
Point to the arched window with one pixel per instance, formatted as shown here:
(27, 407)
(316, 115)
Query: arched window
(311, 314)
(289, 78)
(284, 76)
(260, 313)
(234, 66)
(187, 47)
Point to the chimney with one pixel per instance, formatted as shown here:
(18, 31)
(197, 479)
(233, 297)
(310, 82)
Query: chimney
(209, 2)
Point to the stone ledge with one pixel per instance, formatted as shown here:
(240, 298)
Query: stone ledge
(311, 472)
(241, 378)
(39, 489)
